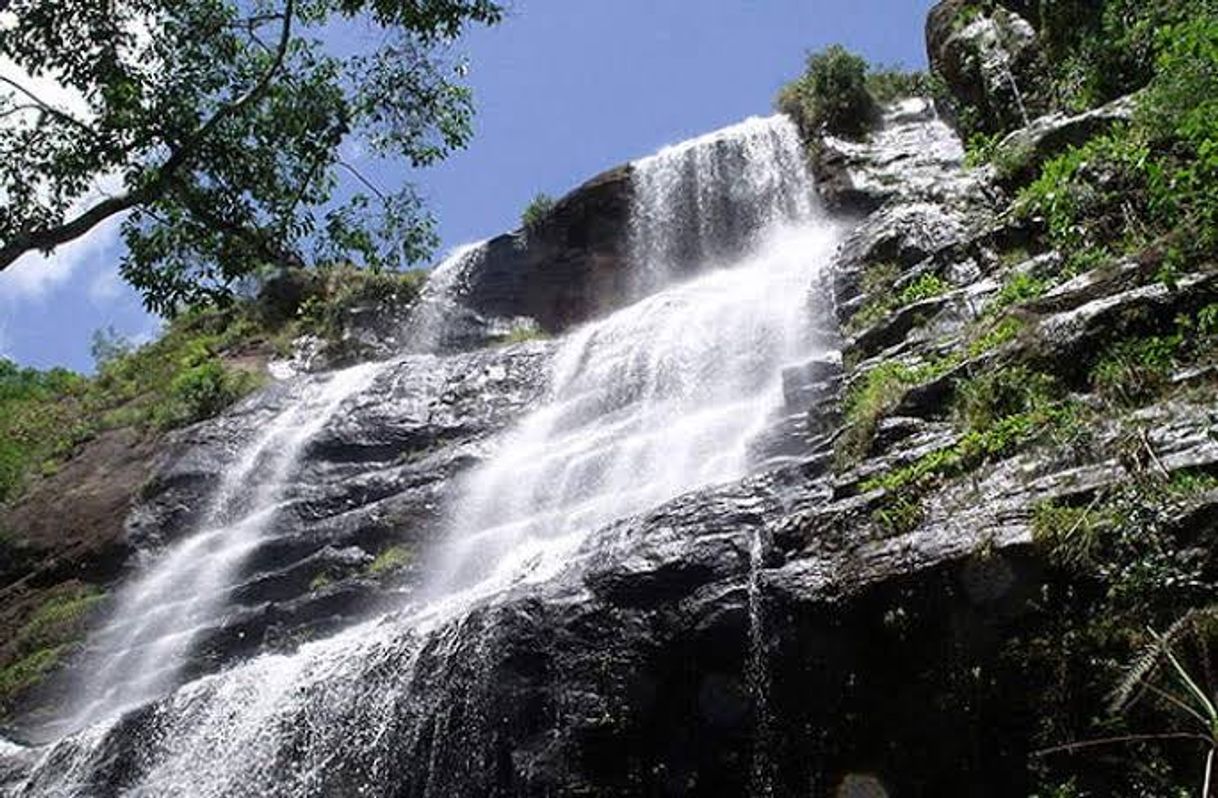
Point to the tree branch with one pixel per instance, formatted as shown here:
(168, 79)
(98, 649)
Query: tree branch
(16, 109)
(256, 238)
(47, 239)
(47, 107)
(371, 187)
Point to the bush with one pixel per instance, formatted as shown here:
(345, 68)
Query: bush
(536, 211)
(338, 290)
(1149, 186)
(986, 399)
(831, 95)
(889, 84)
(1135, 371)
(1102, 49)
(201, 391)
(41, 642)
(1017, 289)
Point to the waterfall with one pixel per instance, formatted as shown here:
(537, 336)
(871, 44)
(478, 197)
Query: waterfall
(761, 780)
(665, 395)
(658, 399)
(715, 197)
(434, 320)
(140, 653)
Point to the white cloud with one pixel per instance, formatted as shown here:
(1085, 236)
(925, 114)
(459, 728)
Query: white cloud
(46, 89)
(33, 275)
(106, 286)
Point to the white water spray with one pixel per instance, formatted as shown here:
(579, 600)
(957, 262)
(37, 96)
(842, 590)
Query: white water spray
(140, 653)
(432, 319)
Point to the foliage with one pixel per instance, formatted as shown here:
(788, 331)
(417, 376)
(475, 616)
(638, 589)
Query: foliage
(1153, 185)
(536, 211)
(45, 416)
(875, 395)
(39, 421)
(46, 635)
(392, 559)
(878, 286)
(981, 402)
(980, 149)
(1125, 566)
(1135, 370)
(22, 674)
(999, 412)
(925, 287)
(521, 333)
(1098, 50)
(892, 83)
(831, 95)
(1018, 288)
(882, 388)
(338, 290)
(218, 128)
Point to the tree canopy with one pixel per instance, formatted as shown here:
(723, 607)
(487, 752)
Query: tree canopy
(223, 124)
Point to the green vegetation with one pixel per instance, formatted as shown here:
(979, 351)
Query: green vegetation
(883, 387)
(831, 95)
(521, 333)
(191, 372)
(876, 395)
(999, 412)
(1132, 557)
(178, 379)
(878, 285)
(1134, 371)
(1098, 51)
(390, 560)
(332, 293)
(840, 93)
(887, 84)
(1124, 568)
(45, 637)
(1018, 288)
(1151, 186)
(230, 152)
(536, 211)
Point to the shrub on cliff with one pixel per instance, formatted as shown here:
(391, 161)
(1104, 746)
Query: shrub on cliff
(1150, 186)
(537, 210)
(831, 95)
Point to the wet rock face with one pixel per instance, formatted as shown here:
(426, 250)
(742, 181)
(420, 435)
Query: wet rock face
(990, 62)
(567, 268)
(377, 477)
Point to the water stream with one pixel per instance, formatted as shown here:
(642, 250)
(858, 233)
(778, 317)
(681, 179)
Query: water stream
(157, 616)
(655, 400)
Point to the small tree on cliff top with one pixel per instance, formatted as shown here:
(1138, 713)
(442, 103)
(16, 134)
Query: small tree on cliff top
(219, 122)
(831, 94)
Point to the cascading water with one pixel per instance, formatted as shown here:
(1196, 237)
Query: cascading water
(656, 400)
(140, 652)
(713, 198)
(434, 317)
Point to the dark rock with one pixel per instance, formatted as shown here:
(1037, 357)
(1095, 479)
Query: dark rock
(567, 268)
(990, 62)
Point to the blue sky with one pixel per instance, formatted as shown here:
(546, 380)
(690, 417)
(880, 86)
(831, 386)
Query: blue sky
(564, 89)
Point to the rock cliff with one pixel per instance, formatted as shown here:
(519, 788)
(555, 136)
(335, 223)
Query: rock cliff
(865, 613)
